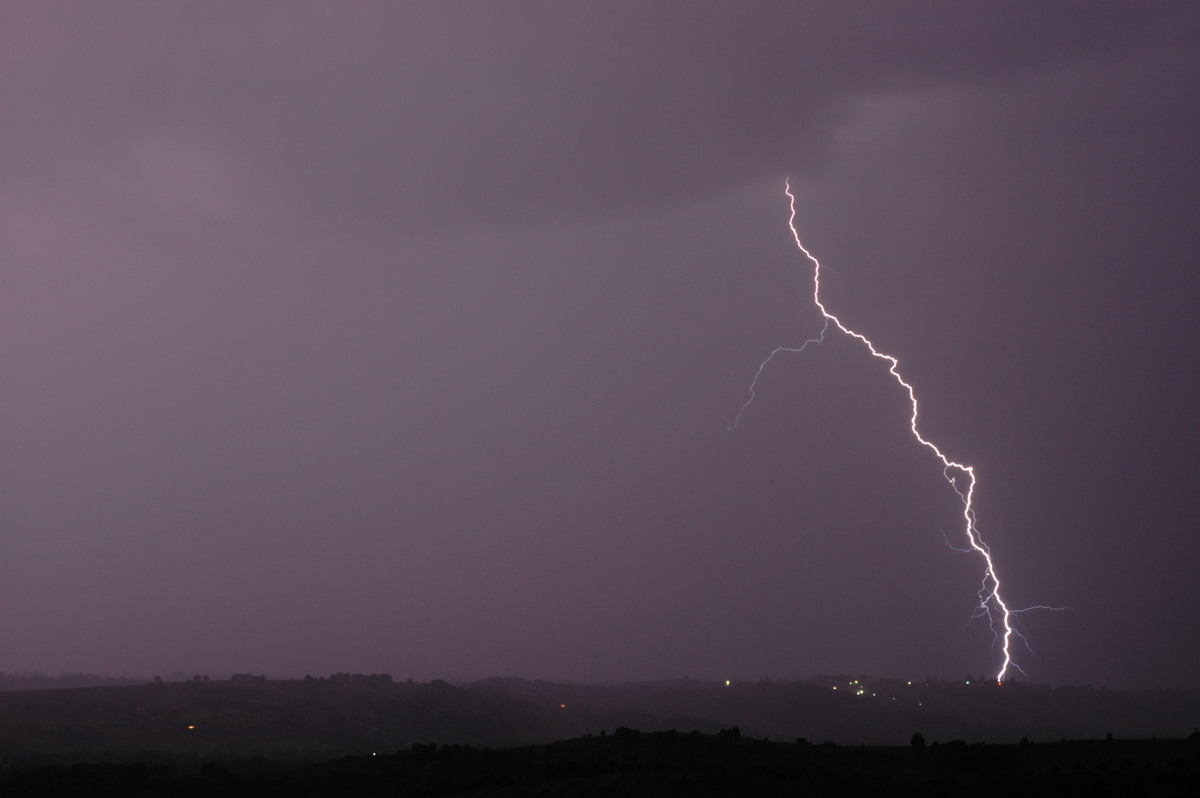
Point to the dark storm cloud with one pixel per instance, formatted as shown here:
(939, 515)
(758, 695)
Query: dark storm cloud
(419, 115)
(399, 336)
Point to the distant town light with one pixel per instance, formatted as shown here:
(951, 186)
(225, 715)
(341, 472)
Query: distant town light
(726, 682)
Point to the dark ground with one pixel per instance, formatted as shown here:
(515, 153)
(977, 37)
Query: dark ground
(368, 735)
(630, 763)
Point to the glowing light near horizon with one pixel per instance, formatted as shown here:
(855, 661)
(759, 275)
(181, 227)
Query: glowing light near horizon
(991, 604)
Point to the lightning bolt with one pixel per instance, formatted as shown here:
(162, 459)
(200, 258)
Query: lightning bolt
(960, 476)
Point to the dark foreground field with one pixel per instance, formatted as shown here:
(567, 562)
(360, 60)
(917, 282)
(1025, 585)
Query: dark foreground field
(368, 735)
(630, 763)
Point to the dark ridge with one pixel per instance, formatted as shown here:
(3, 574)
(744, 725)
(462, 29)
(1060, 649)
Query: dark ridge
(665, 763)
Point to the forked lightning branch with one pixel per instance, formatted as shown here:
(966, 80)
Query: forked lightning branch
(960, 476)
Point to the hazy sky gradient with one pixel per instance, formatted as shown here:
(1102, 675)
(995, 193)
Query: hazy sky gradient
(401, 337)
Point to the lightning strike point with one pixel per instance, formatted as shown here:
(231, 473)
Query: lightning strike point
(960, 475)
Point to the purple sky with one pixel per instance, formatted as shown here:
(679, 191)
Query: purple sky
(400, 337)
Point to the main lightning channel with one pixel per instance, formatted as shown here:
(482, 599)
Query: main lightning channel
(991, 604)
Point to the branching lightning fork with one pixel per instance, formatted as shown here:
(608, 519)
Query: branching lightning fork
(960, 476)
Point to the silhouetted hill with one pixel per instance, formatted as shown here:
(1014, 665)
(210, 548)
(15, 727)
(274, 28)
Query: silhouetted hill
(296, 719)
(344, 714)
(662, 764)
(250, 717)
(39, 681)
(861, 710)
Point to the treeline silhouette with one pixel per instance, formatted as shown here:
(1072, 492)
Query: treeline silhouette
(36, 680)
(370, 734)
(649, 765)
(349, 713)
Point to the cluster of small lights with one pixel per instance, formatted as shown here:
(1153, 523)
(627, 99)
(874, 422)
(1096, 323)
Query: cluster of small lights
(893, 690)
(859, 688)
